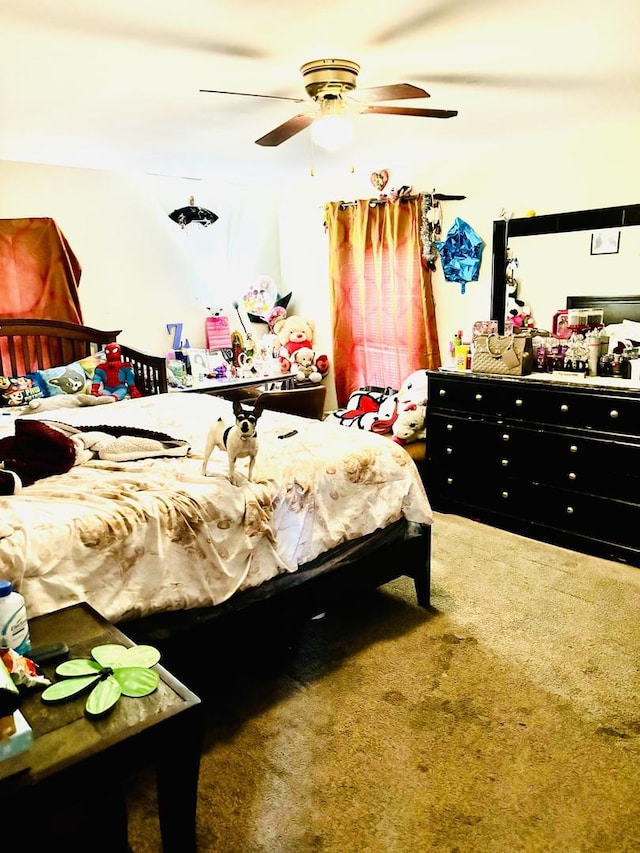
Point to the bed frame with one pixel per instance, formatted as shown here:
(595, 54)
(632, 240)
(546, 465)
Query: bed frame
(27, 345)
(616, 308)
(39, 344)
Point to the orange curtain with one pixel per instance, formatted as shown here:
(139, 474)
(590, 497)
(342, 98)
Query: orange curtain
(384, 324)
(39, 273)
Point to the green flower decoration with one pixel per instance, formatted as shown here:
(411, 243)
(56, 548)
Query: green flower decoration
(114, 671)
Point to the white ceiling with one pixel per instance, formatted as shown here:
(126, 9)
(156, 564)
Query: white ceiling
(114, 84)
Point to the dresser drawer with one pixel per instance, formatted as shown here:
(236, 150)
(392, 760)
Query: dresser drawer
(532, 402)
(615, 522)
(470, 450)
(488, 444)
(589, 465)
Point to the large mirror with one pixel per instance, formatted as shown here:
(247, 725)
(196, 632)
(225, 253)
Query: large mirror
(585, 252)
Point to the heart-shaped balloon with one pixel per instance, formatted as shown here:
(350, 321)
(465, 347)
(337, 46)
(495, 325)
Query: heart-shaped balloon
(380, 179)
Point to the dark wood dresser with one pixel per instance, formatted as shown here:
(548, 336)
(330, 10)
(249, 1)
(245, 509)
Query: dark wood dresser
(552, 459)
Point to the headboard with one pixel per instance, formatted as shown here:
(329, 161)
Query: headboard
(616, 308)
(27, 345)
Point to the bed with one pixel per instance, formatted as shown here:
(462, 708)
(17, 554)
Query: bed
(159, 549)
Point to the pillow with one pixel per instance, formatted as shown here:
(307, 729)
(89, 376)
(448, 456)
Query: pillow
(71, 378)
(19, 390)
(90, 362)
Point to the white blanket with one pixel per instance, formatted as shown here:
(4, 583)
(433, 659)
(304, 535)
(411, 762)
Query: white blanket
(139, 537)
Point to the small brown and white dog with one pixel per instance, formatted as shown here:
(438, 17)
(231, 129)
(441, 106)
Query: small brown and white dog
(239, 440)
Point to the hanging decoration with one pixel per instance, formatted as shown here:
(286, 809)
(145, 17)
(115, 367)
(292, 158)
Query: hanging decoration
(430, 229)
(380, 179)
(431, 224)
(461, 253)
(192, 213)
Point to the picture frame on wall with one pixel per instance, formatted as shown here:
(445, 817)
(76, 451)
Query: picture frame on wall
(605, 242)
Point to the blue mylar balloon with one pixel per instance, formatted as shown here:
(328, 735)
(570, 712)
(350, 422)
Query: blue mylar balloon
(461, 253)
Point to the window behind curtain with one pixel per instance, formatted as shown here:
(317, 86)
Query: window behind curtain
(383, 312)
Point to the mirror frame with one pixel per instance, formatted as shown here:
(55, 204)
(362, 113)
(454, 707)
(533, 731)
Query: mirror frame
(551, 223)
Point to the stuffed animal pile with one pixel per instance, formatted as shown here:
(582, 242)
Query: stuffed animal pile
(401, 413)
(296, 351)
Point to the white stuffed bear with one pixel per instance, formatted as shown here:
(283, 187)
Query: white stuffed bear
(305, 364)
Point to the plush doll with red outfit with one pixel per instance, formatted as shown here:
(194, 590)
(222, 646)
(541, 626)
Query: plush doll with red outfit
(295, 333)
(114, 377)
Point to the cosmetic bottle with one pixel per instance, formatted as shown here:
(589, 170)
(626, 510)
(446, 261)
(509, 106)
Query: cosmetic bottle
(14, 626)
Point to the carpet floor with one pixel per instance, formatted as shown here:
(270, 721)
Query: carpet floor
(505, 718)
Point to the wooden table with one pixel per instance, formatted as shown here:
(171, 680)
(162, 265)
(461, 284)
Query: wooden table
(75, 766)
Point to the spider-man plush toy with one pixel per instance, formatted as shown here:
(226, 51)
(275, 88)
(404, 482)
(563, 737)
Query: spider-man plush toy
(116, 376)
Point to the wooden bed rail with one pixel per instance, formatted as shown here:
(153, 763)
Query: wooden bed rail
(150, 371)
(27, 345)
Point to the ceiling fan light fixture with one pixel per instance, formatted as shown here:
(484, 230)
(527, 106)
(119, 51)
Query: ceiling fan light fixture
(332, 132)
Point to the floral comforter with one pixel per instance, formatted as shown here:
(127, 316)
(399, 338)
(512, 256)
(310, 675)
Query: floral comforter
(138, 537)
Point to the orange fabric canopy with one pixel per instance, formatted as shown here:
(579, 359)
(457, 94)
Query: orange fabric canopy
(39, 273)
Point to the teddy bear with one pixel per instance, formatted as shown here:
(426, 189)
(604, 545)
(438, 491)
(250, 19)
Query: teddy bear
(293, 333)
(409, 424)
(304, 361)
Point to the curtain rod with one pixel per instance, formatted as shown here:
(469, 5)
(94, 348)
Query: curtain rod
(374, 202)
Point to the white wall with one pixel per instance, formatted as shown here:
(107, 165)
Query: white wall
(140, 271)
(550, 173)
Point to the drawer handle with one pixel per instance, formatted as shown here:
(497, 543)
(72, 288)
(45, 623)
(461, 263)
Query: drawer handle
(613, 413)
(505, 436)
(573, 476)
(519, 402)
(573, 448)
(564, 408)
(478, 397)
(449, 427)
(504, 495)
(442, 392)
(504, 463)
(569, 510)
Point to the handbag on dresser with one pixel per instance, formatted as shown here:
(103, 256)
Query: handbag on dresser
(508, 355)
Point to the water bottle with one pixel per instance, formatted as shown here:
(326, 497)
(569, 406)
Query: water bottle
(14, 627)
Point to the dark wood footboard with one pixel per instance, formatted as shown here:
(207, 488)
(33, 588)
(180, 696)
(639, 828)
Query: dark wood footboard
(27, 345)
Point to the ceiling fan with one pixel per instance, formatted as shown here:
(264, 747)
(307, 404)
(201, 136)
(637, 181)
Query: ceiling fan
(329, 83)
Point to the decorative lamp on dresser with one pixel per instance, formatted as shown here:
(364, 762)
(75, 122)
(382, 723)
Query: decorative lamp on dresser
(547, 458)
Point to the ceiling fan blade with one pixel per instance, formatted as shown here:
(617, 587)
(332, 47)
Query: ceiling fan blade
(441, 12)
(252, 95)
(508, 80)
(86, 20)
(286, 131)
(410, 111)
(393, 93)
